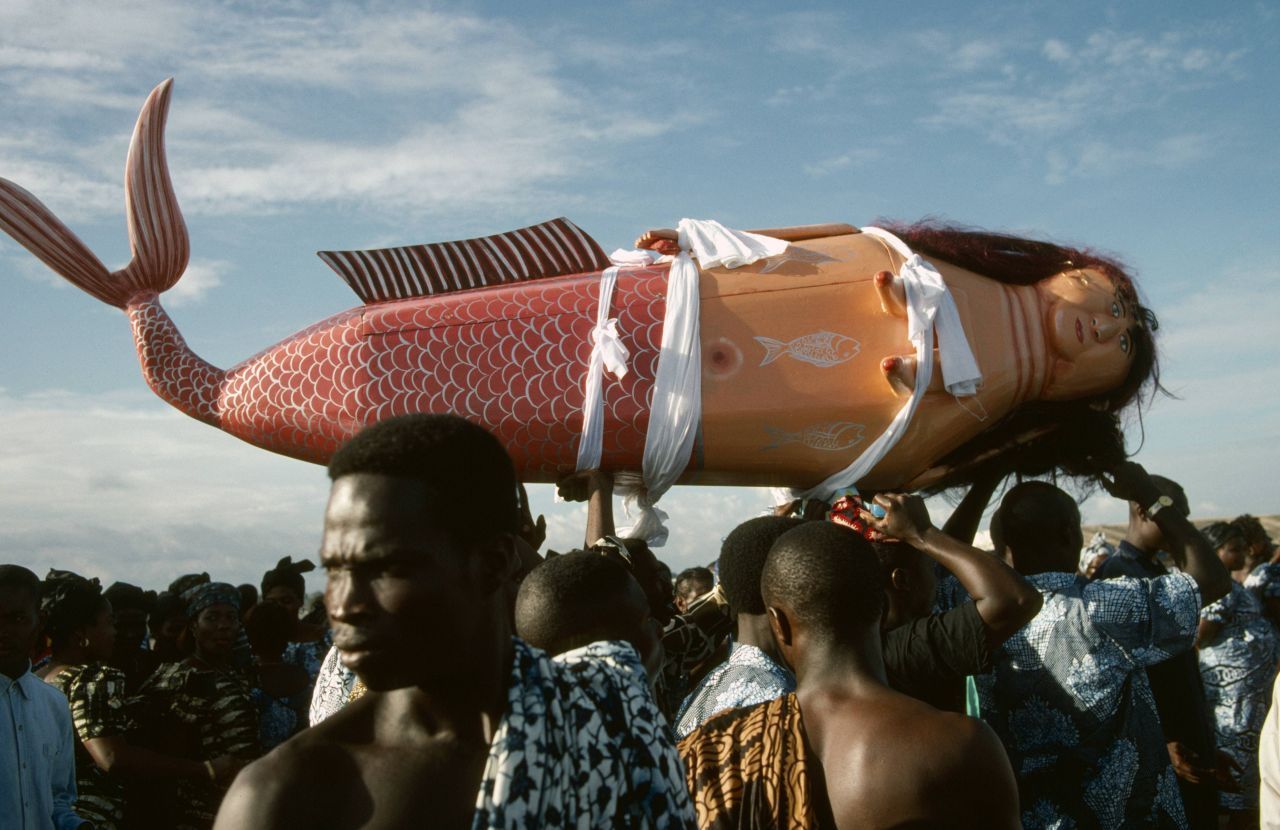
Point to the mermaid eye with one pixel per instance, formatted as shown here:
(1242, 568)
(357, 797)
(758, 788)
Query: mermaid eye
(1115, 309)
(1124, 343)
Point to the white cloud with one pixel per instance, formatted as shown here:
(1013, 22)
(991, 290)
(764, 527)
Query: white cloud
(54, 60)
(429, 111)
(1096, 159)
(1056, 51)
(856, 157)
(200, 277)
(1078, 103)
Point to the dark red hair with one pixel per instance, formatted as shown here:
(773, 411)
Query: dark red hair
(1081, 437)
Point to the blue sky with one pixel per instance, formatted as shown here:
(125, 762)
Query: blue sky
(1144, 129)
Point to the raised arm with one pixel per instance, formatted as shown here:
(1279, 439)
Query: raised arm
(1188, 547)
(1005, 601)
(962, 524)
(595, 487)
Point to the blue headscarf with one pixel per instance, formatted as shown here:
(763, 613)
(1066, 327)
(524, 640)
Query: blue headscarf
(200, 597)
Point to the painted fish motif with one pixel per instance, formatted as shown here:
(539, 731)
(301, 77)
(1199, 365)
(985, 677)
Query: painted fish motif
(832, 437)
(822, 348)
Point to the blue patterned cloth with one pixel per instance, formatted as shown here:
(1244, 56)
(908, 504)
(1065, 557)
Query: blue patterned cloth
(582, 744)
(1070, 701)
(1264, 581)
(748, 677)
(278, 719)
(1237, 668)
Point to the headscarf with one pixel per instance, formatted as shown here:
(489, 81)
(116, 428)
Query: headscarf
(206, 594)
(288, 574)
(68, 601)
(847, 511)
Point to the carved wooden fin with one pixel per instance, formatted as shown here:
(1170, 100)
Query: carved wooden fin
(549, 249)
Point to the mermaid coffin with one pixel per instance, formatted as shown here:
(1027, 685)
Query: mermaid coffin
(805, 355)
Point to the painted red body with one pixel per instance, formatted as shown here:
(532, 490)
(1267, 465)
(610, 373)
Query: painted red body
(510, 357)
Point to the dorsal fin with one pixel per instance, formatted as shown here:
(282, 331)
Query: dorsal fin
(550, 249)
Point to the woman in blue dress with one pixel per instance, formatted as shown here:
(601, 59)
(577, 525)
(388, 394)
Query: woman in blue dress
(1238, 653)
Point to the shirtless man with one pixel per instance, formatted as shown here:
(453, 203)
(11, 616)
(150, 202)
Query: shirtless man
(457, 727)
(845, 750)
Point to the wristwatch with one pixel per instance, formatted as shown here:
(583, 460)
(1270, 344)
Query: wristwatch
(1158, 505)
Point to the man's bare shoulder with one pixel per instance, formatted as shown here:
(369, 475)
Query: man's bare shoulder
(968, 770)
(297, 780)
(895, 761)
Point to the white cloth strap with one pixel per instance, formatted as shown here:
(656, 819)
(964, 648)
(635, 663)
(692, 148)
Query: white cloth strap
(604, 340)
(676, 409)
(960, 372)
(608, 354)
(930, 306)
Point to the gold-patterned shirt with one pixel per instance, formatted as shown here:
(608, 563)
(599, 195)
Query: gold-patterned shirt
(747, 768)
(96, 695)
(204, 714)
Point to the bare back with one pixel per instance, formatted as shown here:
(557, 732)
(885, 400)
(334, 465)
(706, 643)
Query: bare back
(889, 761)
(375, 764)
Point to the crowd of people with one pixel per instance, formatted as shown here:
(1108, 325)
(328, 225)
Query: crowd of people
(845, 665)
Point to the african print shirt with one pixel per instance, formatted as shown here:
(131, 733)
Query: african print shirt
(207, 714)
(1238, 667)
(1070, 701)
(1264, 581)
(582, 744)
(96, 695)
(688, 640)
(748, 677)
(334, 688)
(747, 768)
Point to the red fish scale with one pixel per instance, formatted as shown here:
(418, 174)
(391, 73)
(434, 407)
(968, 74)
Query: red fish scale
(302, 396)
(511, 358)
(171, 369)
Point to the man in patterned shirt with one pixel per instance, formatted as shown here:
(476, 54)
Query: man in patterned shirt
(754, 672)
(1069, 696)
(463, 725)
(1176, 685)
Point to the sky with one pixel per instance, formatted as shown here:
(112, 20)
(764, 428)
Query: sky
(1143, 129)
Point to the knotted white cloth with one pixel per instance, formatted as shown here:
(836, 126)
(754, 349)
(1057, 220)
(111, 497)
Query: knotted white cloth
(930, 307)
(676, 410)
(608, 354)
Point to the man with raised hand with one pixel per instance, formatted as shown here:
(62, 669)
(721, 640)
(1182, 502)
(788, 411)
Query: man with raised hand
(844, 749)
(1069, 695)
(1175, 683)
(463, 725)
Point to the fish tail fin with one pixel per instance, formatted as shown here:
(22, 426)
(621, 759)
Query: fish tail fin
(34, 227)
(157, 232)
(779, 437)
(773, 349)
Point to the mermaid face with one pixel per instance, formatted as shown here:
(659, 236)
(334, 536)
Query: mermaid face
(1089, 331)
